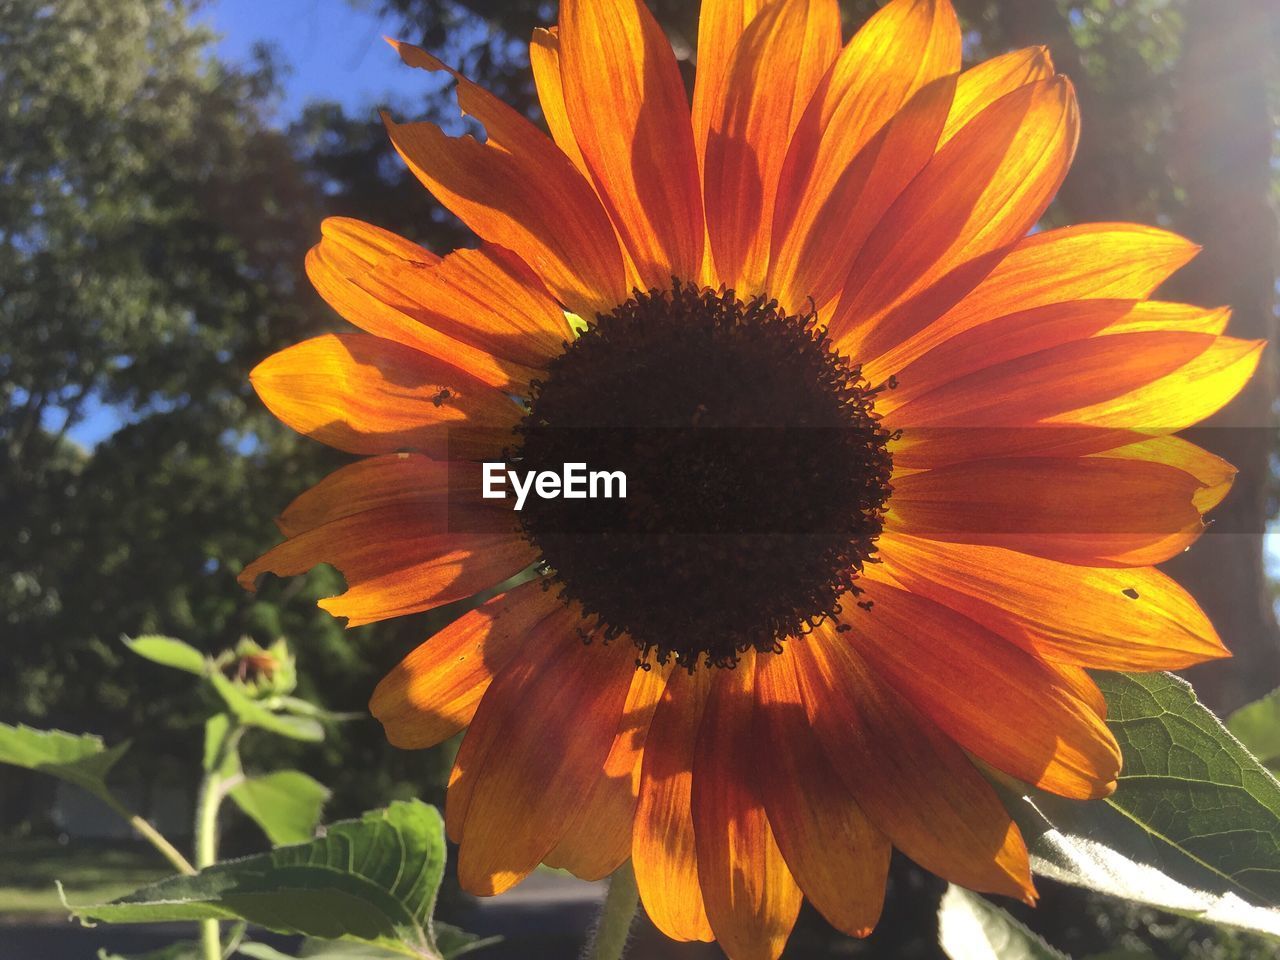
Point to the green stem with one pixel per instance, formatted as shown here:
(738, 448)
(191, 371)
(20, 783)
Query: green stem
(609, 939)
(212, 792)
(150, 834)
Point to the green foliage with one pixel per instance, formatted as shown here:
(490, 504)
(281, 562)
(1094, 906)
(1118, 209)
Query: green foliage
(82, 759)
(169, 652)
(374, 879)
(971, 928)
(1257, 726)
(154, 233)
(286, 804)
(257, 713)
(1193, 827)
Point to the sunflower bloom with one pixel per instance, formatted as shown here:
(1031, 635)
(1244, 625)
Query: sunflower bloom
(902, 469)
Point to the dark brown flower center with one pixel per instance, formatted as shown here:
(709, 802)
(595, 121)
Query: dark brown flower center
(756, 470)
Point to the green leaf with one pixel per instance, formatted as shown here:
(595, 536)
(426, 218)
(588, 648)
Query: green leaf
(1257, 726)
(971, 928)
(169, 652)
(285, 804)
(453, 941)
(373, 880)
(256, 714)
(82, 759)
(1194, 824)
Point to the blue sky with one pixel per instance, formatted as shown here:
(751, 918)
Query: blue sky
(334, 50)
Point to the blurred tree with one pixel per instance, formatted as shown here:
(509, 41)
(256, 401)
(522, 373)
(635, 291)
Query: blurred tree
(152, 235)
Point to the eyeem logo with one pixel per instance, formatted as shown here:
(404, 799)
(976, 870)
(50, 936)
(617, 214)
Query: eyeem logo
(574, 482)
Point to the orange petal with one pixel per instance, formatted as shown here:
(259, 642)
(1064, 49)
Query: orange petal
(485, 299)
(1093, 511)
(983, 85)
(978, 196)
(364, 394)
(1162, 381)
(396, 561)
(538, 740)
(838, 857)
(627, 105)
(517, 189)
(1027, 331)
(776, 66)
(663, 850)
(905, 46)
(1081, 685)
(752, 900)
(434, 691)
(814, 249)
(370, 244)
(913, 782)
(544, 58)
(1093, 260)
(408, 478)
(598, 840)
(720, 26)
(1188, 395)
(994, 699)
(1215, 474)
(478, 310)
(1108, 619)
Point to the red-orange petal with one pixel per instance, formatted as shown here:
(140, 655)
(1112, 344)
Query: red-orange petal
(396, 561)
(517, 189)
(720, 25)
(984, 84)
(838, 857)
(1081, 397)
(996, 700)
(627, 105)
(751, 898)
(536, 744)
(1107, 619)
(1215, 475)
(544, 59)
(1027, 331)
(379, 282)
(369, 483)
(905, 46)
(949, 228)
(777, 64)
(598, 840)
(363, 394)
(814, 249)
(1094, 511)
(434, 691)
(914, 783)
(1090, 261)
(483, 299)
(664, 852)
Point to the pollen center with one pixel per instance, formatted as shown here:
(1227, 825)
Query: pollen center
(757, 474)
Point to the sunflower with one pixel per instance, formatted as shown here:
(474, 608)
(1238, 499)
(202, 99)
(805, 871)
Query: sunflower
(902, 466)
